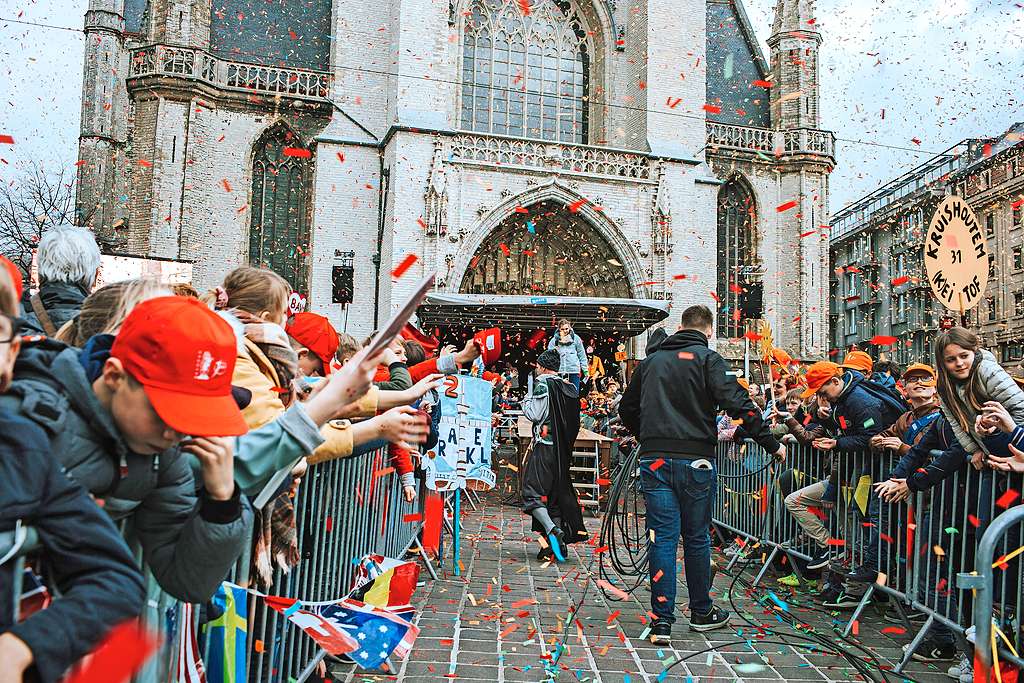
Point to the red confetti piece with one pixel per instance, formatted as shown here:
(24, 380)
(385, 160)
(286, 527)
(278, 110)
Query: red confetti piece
(604, 482)
(412, 517)
(901, 280)
(885, 537)
(1006, 500)
(895, 630)
(712, 109)
(975, 522)
(613, 616)
(341, 157)
(226, 184)
(328, 523)
(761, 84)
(524, 7)
(808, 234)
(657, 576)
(842, 422)
(752, 336)
(293, 35)
(146, 164)
(524, 603)
(123, 652)
(856, 627)
(785, 207)
(405, 265)
(522, 209)
(986, 149)
(383, 472)
(420, 222)
(577, 205)
(6, 140)
(504, 249)
(673, 102)
(656, 464)
(836, 541)
(617, 592)
(883, 340)
(297, 152)
(535, 338)
(679, 277)
(715, 297)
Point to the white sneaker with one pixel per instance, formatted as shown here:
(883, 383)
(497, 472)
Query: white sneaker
(963, 667)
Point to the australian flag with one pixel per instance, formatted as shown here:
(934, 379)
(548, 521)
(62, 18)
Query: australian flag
(367, 635)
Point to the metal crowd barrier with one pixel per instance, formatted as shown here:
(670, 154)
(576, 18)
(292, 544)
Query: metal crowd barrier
(922, 544)
(344, 511)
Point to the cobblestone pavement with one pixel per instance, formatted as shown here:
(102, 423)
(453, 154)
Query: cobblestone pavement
(501, 619)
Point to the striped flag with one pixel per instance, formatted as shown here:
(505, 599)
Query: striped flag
(189, 667)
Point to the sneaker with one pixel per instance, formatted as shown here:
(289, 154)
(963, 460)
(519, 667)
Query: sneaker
(932, 651)
(556, 539)
(837, 598)
(821, 559)
(963, 667)
(545, 554)
(661, 633)
(862, 574)
(892, 616)
(716, 618)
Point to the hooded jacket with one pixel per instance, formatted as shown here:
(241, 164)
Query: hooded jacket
(62, 301)
(572, 354)
(861, 412)
(85, 557)
(189, 540)
(674, 396)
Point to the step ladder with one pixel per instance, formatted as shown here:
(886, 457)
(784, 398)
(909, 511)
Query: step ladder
(583, 466)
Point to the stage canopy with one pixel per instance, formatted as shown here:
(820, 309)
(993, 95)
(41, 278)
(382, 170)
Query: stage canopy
(625, 317)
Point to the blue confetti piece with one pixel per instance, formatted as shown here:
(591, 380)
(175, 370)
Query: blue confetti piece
(778, 602)
(531, 227)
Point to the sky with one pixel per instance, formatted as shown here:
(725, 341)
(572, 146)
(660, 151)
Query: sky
(940, 70)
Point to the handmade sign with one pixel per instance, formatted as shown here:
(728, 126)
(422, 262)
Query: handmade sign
(956, 255)
(462, 456)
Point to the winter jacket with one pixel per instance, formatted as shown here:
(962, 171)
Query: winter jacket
(807, 432)
(923, 471)
(675, 394)
(655, 339)
(996, 385)
(85, 557)
(903, 422)
(62, 301)
(394, 377)
(572, 354)
(189, 540)
(861, 413)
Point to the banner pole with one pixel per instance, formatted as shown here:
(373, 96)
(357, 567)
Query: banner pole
(457, 534)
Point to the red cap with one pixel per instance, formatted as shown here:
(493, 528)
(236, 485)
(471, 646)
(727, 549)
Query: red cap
(818, 374)
(489, 343)
(183, 354)
(14, 272)
(316, 333)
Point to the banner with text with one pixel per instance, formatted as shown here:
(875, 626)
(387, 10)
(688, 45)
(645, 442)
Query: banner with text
(462, 456)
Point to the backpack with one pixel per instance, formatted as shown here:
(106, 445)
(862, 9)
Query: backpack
(888, 396)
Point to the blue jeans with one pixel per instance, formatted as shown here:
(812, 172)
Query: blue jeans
(679, 499)
(574, 378)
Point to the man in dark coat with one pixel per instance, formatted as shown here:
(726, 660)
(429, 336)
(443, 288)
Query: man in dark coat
(552, 405)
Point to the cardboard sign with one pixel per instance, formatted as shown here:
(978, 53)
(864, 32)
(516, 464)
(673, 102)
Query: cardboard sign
(462, 456)
(956, 255)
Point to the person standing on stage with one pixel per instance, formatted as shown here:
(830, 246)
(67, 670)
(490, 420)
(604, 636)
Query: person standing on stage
(552, 404)
(671, 405)
(573, 363)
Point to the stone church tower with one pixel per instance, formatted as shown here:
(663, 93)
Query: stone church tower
(618, 149)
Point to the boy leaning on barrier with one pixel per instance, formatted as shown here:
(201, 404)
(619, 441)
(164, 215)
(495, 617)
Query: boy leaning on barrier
(86, 558)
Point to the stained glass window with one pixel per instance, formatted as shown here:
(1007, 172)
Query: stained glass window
(526, 74)
(279, 231)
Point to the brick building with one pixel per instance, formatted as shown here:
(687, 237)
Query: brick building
(878, 283)
(637, 149)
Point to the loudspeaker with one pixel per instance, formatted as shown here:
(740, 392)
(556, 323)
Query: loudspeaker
(751, 300)
(342, 284)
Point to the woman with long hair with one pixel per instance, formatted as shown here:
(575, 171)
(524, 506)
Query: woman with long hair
(968, 377)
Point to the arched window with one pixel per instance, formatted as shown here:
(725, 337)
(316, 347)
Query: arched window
(279, 231)
(526, 73)
(739, 269)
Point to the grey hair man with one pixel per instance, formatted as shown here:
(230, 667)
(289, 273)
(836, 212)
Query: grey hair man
(68, 260)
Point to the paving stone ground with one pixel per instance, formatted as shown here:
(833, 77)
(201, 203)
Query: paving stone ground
(500, 619)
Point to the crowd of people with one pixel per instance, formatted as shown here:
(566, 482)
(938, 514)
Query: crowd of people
(170, 413)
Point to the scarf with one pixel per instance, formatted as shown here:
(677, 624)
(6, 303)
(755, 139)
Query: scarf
(272, 340)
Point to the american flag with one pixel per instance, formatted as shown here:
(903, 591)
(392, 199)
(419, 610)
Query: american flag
(369, 636)
(189, 666)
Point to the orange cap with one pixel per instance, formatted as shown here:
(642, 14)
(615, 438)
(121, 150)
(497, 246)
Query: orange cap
(743, 382)
(921, 368)
(858, 360)
(818, 374)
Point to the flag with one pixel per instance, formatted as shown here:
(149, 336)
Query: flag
(228, 633)
(386, 583)
(367, 635)
(189, 666)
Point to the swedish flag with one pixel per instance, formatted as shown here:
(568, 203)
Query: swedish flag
(227, 636)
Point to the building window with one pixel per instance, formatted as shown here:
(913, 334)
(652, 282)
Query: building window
(279, 229)
(526, 76)
(738, 263)
(1018, 213)
(851, 321)
(1014, 351)
(991, 265)
(1018, 257)
(991, 303)
(899, 308)
(990, 224)
(1018, 302)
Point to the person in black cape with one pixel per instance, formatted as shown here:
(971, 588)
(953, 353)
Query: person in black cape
(553, 405)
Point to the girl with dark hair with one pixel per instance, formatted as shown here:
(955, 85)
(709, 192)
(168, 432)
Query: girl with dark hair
(968, 377)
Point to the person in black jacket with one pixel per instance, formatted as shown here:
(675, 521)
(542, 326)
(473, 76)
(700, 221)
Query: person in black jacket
(671, 406)
(69, 262)
(85, 556)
